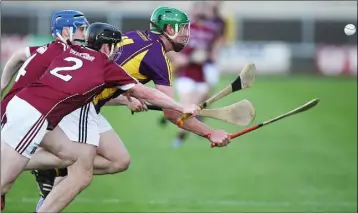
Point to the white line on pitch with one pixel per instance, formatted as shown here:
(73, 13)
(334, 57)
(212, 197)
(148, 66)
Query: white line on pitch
(199, 202)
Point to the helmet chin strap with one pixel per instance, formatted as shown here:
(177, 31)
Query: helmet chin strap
(111, 52)
(63, 39)
(71, 33)
(176, 47)
(60, 37)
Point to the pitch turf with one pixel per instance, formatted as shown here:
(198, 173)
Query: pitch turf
(304, 163)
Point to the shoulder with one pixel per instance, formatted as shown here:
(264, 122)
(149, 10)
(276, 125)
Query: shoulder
(58, 45)
(156, 52)
(129, 34)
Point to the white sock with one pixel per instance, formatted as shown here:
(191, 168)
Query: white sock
(39, 203)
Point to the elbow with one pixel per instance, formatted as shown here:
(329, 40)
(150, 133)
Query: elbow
(20, 55)
(140, 91)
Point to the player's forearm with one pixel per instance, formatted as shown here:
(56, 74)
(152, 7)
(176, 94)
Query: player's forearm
(192, 124)
(155, 97)
(120, 100)
(10, 68)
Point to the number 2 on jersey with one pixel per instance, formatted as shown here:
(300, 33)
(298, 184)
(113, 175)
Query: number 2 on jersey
(78, 64)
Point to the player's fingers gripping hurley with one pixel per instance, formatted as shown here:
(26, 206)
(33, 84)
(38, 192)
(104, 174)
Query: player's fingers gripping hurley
(243, 81)
(191, 109)
(219, 137)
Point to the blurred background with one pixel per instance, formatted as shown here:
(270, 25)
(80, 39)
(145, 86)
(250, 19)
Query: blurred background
(305, 163)
(304, 36)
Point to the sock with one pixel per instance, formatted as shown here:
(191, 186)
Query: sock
(2, 202)
(39, 203)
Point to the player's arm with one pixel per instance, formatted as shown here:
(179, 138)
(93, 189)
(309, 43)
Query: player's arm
(120, 100)
(12, 65)
(161, 74)
(117, 75)
(192, 124)
(132, 103)
(159, 98)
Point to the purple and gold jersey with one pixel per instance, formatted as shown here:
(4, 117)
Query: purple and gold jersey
(144, 58)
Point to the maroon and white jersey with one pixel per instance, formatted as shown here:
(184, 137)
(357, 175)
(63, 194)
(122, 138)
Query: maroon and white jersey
(39, 58)
(201, 37)
(72, 80)
(218, 25)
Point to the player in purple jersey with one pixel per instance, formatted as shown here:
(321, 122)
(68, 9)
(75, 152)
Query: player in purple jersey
(62, 89)
(145, 58)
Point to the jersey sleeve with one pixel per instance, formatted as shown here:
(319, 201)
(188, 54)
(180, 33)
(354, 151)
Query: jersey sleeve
(30, 50)
(158, 67)
(117, 76)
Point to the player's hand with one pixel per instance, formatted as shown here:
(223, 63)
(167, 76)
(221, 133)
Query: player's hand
(191, 109)
(136, 105)
(219, 137)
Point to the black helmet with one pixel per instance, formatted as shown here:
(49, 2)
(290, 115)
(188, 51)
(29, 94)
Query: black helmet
(102, 33)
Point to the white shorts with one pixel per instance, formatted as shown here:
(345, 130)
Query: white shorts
(81, 125)
(25, 127)
(186, 85)
(211, 74)
(84, 125)
(103, 124)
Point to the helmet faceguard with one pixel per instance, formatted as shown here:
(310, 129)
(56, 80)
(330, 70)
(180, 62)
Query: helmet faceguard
(178, 20)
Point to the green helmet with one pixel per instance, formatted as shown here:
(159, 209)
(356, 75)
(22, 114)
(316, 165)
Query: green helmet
(163, 16)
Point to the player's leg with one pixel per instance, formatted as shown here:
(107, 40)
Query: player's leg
(44, 160)
(2, 202)
(185, 88)
(56, 152)
(46, 180)
(211, 74)
(80, 126)
(196, 95)
(20, 136)
(112, 156)
(79, 177)
(202, 90)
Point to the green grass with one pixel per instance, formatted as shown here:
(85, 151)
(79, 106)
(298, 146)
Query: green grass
(307, 162)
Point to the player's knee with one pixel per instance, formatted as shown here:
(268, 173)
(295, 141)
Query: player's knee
(121, 164)
(87, 179)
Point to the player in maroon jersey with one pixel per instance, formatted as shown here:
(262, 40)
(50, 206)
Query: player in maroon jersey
(66, 26)
(71, 81)
(190, 83)
(144, 57)
(218, 24)
(34, 60)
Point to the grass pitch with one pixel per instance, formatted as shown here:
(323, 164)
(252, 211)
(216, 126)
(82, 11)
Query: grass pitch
(307, 162)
